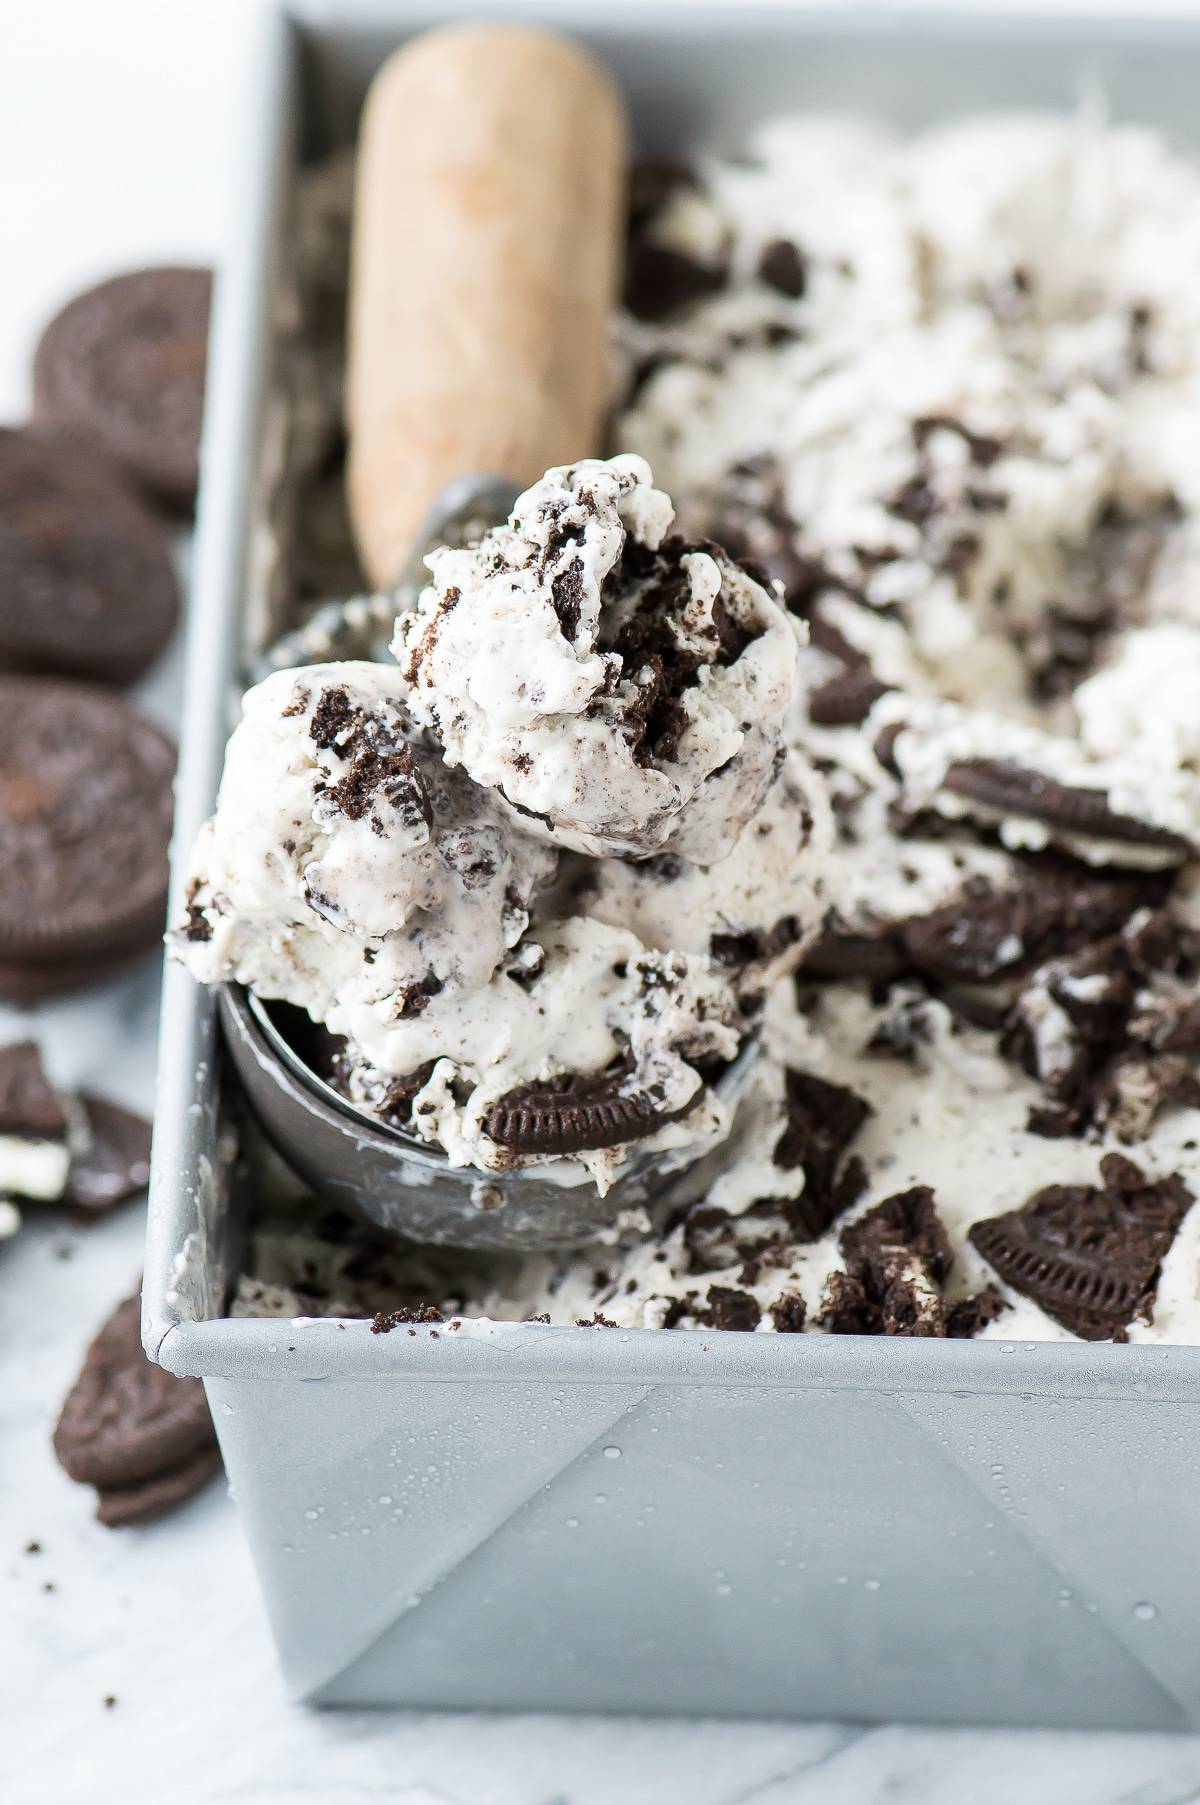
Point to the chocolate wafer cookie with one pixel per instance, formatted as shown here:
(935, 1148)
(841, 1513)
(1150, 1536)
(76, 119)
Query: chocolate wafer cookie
(1089, 1255)
(86, 583)
(122, 367)
(114, 1164)
(577, 1112)
(85, 818)
(1009, 789)
(141, 1436)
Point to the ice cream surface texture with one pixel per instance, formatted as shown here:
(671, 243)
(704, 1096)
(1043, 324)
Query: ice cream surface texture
(943, 393)
(622, 688)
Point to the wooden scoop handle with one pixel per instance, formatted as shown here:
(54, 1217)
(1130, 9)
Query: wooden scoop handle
(487, 230)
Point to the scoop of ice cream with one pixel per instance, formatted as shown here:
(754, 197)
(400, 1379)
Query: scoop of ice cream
(621, 689)
(584, 1042)
(346, 868)
(349, 871)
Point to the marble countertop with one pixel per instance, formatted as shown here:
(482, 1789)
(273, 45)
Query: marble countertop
(115, 149)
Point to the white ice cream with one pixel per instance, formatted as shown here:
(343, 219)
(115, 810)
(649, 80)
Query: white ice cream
(622, 690)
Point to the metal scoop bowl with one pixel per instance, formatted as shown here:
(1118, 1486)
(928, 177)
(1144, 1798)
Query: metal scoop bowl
(357, 1162)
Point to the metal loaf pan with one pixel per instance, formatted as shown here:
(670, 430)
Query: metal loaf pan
(522, 1516)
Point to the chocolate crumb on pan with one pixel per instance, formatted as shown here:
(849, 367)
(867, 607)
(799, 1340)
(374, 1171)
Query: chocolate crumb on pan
(122, 367)
(142, 1437)
(87, 588)
(1089, 1255)
(85, 820)
(577, 1112)
(386, 1320)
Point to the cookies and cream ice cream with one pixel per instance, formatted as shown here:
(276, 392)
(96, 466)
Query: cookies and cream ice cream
(621, 688)
(496, 998)
(944, 394)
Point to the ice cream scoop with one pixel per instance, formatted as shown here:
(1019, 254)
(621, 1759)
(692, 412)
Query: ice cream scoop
(488, 219)
(489, 214)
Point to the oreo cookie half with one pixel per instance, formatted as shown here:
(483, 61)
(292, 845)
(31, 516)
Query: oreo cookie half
(141, 1436)
(577, 1112)
(1089, 1255)
(1006, 789)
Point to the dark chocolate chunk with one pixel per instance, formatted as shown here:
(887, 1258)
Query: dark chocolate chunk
(788, 1313)
(566, 596)
(87, 588)
(1051, 907)
(965, 1319)
(115, 1163)
(577, 1112)
(30, 1107)
(837, 954)
(122, 368)
(85, 818)
(784, 267)
(897, 1258)
(1007, 789)
(728, 1308)
(1122, 1004)
(1089, 1255)
(141, 1436)
(823, 1120)
(660, 280)
(845, 700)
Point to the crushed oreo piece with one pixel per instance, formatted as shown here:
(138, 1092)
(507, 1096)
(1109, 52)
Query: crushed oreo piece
(728, 1308)
(1089, 1255)
(784, 267)
(897, 1258)
(1049, 907)
(1105, 1032)
(30, 1107)
(845, 700)
(965, 1319)
(823, 1121)
(1007, 789)
(788, 1313)
(659, 279)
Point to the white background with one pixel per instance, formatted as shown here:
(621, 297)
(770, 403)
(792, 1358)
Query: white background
(117, 146)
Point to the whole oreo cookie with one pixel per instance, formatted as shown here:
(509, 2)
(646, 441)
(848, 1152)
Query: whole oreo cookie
(85, 819)
(141, 1436)
(86, 584)
(578, 1112)
(122, 367)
